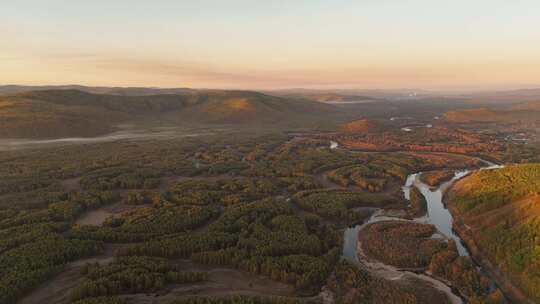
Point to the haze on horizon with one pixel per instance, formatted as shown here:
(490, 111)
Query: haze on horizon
(384, 44)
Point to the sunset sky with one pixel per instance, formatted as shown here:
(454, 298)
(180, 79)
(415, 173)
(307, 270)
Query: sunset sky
(267, 44)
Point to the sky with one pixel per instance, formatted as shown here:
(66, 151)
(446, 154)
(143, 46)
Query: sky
(272, 44)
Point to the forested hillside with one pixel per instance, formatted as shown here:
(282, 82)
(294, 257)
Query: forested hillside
(500, 212)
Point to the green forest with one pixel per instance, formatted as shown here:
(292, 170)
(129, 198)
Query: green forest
(146, 217)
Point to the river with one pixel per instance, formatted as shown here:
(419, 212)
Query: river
(437, 215)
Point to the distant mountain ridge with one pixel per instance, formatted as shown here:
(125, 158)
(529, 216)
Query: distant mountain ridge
(327, 97)
(492, 97)
(127, 91)
(64, 113)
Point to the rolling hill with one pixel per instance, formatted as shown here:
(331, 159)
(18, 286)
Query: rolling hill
(522, 112)
(73, 113)
(361, 126)
(505, 97)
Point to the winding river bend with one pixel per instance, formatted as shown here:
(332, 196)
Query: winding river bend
(437, 215)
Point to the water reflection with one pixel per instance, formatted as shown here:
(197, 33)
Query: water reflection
(350, 241)
(437, 213)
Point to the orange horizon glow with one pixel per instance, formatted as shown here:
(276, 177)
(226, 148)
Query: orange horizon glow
(247, 45)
